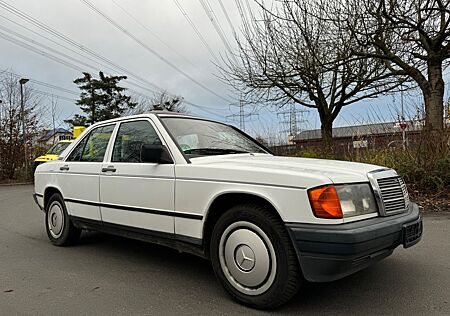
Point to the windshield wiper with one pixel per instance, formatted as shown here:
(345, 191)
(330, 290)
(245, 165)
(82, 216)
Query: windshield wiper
(214, 151)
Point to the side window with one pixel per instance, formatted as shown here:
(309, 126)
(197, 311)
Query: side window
(75, 155)
(130, 139)
(93, 147)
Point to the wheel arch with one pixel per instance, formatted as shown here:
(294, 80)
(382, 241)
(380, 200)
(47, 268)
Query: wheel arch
(223, 202)
(49, 191)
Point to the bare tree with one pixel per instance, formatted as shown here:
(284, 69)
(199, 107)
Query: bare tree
(294, 54)
(11, 133)
(159, 102)
(53, 111)
(409, 36)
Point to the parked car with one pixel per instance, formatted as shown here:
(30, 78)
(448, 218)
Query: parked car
(267, 223)
(56, 150)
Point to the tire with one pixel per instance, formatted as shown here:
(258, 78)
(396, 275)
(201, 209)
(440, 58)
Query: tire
(60, 229)
(241, 236)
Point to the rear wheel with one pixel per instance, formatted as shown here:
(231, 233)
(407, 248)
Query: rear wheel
(253, 257)
(60, 229)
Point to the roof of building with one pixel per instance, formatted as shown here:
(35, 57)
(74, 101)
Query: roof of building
(52, 133)
(358, 130)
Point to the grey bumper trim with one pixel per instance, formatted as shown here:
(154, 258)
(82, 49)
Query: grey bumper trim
(35, 196)
(330, 252)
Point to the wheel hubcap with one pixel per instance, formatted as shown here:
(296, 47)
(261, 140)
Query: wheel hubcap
(244, 258)
(55, 219)
(247, 258)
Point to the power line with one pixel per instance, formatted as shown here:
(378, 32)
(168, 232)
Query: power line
(197, 32)
(48, 85)
(110, 64)
(46, 93)
(227, 17)
(49, 94)
(54, 51)
(153, 34)
(45, 84)
(42, 53)
(68, 40)
(242, 115)
(291, 118)
(61, 61)
(243, 16)
(149, 49)
(105, 65)
(214, 21)
(53, 57)
(249, 9)
(196, 106)
(42, 83)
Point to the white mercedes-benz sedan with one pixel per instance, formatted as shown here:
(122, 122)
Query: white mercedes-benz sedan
(267, 223)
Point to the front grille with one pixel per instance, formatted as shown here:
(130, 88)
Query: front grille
(394, 194)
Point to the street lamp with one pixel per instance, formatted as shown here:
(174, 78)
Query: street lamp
(22, 82)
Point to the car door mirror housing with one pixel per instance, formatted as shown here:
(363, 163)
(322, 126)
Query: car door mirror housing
(155, 154)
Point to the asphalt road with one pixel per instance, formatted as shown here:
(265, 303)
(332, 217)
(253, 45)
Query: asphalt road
(107, 275)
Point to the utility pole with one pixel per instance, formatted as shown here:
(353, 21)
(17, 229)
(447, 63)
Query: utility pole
(22, 82)
(242, 115)
(291, 118)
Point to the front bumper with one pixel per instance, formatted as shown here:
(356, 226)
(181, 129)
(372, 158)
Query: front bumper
(35, 198)
(330, 252)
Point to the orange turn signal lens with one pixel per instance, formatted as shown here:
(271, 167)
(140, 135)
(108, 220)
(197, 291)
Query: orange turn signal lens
(325, 202)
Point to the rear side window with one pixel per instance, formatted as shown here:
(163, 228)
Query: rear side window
(93, 147)
(130, 139)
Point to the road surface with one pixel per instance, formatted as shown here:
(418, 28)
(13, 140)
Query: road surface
(107, 275)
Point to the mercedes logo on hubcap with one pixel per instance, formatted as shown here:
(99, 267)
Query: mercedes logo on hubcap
(244, 257)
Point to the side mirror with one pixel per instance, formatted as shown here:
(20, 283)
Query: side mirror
(155, 154)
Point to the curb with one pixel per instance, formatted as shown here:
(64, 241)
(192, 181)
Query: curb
(13, 184)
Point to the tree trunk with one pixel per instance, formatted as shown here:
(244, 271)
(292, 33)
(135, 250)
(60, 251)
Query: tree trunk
(326, 126)
(326, 129)
(434, 98)
(432, 135)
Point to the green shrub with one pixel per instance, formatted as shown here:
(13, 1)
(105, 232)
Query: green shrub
(410, 164)
(423, 169)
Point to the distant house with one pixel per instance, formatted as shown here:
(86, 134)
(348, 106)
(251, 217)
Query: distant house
(53, 136)
(361, 136)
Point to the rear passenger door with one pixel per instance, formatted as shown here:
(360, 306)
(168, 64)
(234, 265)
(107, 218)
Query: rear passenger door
(78, 175)
(133, 193)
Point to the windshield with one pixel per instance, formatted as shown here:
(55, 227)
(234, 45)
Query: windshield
(58, 148)
(204, 138)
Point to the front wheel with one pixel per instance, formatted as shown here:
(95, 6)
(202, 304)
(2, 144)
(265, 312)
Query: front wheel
(60, 229)
(253, 257)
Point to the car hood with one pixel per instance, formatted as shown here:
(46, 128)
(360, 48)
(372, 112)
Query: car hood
(320, 170)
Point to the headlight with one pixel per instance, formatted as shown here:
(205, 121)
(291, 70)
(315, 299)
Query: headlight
(356, 199)
(340, 201)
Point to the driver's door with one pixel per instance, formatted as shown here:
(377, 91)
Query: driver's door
(133, 193)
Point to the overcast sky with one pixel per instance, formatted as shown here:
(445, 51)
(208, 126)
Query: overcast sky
(180, 46)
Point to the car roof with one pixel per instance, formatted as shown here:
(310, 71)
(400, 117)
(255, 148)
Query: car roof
(148, 114)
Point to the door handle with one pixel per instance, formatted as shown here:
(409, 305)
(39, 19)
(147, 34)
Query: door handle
(109, 168)
(65, 167)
